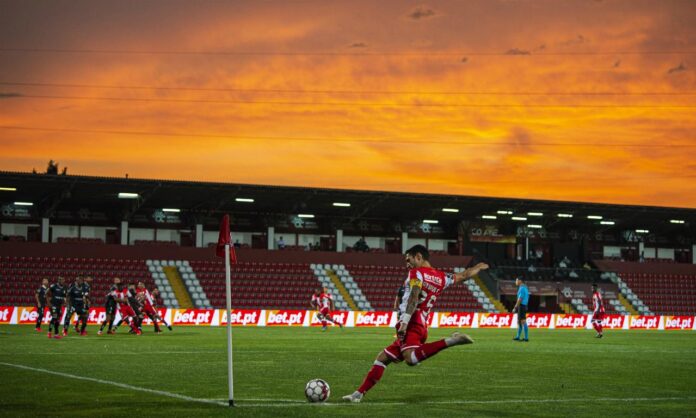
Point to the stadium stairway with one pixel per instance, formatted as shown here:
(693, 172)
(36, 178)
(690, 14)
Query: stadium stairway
(182, 295)
(354, 291)
(627, 305)
(163, 283)
(182, 281)
(478, 285)
(341, 289)
(321, 272)
(567, 308)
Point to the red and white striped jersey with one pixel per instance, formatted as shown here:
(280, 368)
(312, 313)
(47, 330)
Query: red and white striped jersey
(597, 303)
(431, 283)
(148, 300)
(122, 295)
(324, 301)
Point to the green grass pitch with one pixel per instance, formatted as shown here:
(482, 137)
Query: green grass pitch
(559, 373)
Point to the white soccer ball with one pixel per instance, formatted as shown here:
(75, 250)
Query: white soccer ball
(317, 390)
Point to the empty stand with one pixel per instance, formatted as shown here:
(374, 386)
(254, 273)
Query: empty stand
(258, 284)
(380, 285)
(21, 276)
(666, 288)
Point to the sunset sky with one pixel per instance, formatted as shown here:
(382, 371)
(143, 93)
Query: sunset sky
(583, 100)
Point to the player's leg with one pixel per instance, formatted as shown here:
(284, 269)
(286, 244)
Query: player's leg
(66, 323)
(414, 349)
(374, 375)
(163, 321)
(597, 325)
(39, 317)
(103, 324)
(519, 331)
(84, 318)
(333, 320)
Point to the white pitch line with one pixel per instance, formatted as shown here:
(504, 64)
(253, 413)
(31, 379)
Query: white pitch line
(283, 403)
(117, 384)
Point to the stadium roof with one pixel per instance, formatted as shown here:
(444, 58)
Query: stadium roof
(87, 200)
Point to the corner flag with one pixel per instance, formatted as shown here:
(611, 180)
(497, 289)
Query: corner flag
(225, 249)
(225, 238)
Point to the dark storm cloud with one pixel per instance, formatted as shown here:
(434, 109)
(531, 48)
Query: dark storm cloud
(679, 68)
(4, 95)
(465, 60)
(517, 51)
(617, 64)
(359, 45)
(421, 13)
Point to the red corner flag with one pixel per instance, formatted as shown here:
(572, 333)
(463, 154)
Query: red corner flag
(225, 238)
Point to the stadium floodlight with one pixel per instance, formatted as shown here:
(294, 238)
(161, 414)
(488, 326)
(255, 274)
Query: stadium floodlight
(534, 226)
(565, 215)
(489, 217)
(504, 212)
(519, 218)
(244, 200)
(306, 215)
(123, 195)
(594, 217)
(676, 221)
(171, 210)
(607, 222)
(535, 214)
(341, 204)
(453, 210)
(8, 189)
(430, 221)
(23, 204)
(642, 231)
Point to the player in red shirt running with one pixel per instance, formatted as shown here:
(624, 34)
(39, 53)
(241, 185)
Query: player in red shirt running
(597, 310)
(148, 302)
(423, 286)
(127, 313)
(324, 303)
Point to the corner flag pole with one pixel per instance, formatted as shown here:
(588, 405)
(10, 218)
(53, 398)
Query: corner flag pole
(228, 291)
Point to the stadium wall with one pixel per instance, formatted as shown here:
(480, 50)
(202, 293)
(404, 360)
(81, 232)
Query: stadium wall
(23, 315)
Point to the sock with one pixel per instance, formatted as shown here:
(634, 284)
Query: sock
(373, 376)
(428, 350)
(56, 325)
(133, 325)
(526, 331)
(157, 328)
(84, 325)
(111, 323)
(519, 331)
(323, 323)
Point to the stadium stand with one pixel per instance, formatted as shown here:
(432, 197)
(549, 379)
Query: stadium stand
(80, 240)
(666, 288)
(20, 276)
(380, 285)
(258, 284)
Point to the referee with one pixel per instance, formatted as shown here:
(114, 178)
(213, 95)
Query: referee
(521, 309)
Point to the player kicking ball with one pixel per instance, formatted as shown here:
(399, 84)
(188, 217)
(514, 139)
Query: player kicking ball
(323, 302)
(422, 288)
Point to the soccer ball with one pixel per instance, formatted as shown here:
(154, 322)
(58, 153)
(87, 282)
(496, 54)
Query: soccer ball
(317, 390)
